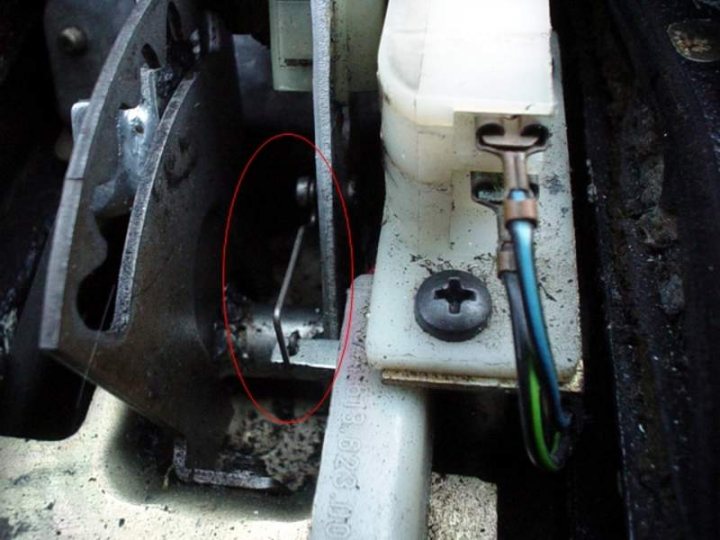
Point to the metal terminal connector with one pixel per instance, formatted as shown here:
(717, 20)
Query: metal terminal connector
(520, 209)
(513, 141)
(506, 258)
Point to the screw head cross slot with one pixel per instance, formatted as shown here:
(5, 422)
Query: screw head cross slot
(455, 294)
(452, 305)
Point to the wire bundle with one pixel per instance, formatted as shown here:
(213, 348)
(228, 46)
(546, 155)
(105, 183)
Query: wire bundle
(545, 423)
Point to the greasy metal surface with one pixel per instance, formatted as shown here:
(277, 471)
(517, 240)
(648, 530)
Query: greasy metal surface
(253, 335)
(75, 71)
(258, 337)
(169, 262)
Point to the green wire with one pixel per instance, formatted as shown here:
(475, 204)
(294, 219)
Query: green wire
(530, 388)
(543, 453)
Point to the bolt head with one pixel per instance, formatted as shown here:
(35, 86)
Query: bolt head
(452, 305)
(305, 192)
(72, 40)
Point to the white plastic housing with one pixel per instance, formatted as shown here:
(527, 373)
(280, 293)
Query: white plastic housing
(491, 56)
(444, 68)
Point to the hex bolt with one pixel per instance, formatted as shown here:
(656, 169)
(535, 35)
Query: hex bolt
(72, 40)
(452, 305)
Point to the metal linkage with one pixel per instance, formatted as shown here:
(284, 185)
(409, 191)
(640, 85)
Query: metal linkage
(273, 338)
(305, 194)
(289, 348)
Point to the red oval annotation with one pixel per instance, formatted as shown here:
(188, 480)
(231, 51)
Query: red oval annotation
(351, 296)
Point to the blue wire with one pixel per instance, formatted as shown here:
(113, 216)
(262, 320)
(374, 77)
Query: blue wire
(522, 236)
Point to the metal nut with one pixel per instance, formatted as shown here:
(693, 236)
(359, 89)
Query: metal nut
(452, 305)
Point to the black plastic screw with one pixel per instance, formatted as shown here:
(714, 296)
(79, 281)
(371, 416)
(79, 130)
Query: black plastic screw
(452, 305)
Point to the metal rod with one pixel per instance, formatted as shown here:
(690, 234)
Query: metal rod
(277, 311)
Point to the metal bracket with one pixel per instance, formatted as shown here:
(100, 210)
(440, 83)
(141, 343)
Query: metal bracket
(164, 270)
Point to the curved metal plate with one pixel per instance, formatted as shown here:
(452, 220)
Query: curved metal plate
(154, 354)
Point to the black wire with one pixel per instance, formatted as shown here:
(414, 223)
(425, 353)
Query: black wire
(524, 354)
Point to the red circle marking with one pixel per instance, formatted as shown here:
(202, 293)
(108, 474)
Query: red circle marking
(228, 334)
